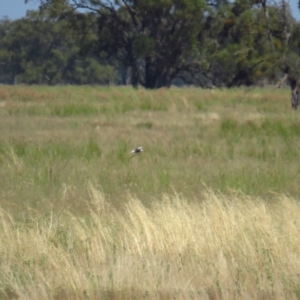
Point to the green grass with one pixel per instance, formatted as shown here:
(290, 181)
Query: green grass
(53, 138)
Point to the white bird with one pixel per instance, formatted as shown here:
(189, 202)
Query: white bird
(137, 151)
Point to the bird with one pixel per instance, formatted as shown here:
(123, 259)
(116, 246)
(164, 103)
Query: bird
(136, 151)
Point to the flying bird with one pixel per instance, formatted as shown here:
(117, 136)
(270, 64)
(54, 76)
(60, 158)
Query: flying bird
(136, 151)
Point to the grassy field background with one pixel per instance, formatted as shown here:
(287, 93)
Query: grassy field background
(210, 210)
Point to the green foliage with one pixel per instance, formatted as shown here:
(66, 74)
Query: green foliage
(144, 46)
(41, 49)
(150, 43)
(158, 34)
(251, 43)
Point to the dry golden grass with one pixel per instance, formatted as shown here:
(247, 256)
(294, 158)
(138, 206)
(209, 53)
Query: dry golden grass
(224, 247)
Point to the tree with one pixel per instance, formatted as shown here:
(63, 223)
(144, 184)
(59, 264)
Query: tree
(156, 39)
(224, 42)
(5, 53)
(248, 41)
(41, 49)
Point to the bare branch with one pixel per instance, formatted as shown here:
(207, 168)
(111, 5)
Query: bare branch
(286, 32)
(241, 51)
(78, 4)
(132, 13)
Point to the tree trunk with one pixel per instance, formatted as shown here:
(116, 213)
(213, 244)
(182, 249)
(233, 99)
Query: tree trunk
(149, 74)
(241, 78)
(155, 75)
(295, 92)
(134, 76)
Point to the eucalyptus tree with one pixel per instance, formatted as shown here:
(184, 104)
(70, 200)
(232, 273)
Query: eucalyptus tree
(225, 42)
(156, 39)
(252, 40)
(42, 49)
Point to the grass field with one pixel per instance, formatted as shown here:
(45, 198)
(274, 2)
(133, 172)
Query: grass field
(210, 210)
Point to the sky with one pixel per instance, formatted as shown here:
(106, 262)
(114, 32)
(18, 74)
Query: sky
(15, 9)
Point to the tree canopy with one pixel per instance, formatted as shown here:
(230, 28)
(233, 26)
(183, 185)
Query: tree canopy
(39, 49)
(151, 42)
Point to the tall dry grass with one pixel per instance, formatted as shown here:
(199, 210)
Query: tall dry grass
(223, 247)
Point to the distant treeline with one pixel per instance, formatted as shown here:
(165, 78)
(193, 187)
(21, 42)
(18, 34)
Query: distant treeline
(152, 43)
